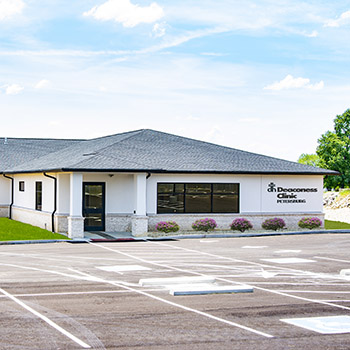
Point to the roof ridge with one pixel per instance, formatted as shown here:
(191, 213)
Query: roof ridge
(121, 133)
(136, 132)
(39, 139)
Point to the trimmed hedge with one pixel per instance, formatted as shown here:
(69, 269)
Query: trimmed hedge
(167, 226)
(241, 224)
(204, 225)
(273, 224)
(309, 223)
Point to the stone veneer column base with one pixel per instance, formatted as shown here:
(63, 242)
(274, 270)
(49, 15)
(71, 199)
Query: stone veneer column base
(75, 227)
(139, 225)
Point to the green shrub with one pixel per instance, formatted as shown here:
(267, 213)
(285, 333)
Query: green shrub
(273, 224)
(167, 226)
(204, 225)
(241, 224)
(309, 223)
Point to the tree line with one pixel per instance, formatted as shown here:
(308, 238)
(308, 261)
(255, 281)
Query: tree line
(333, 152)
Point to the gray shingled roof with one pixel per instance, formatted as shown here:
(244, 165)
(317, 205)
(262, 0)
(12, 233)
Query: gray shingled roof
(154, 151)
(16, 151)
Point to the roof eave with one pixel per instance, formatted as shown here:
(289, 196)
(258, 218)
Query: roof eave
(165, 171)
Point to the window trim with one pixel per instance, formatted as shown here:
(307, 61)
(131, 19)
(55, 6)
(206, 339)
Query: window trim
(211, 193)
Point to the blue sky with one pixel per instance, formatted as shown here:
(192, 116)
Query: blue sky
(263, 76)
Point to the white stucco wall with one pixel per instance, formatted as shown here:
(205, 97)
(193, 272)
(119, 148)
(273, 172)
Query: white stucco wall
(254, 197)
(26, 199)
(307, 190)
(24, 202)
(5, 191)
(119, 191)
(63, 190)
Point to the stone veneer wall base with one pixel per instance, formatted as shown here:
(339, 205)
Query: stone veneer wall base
(224, 220)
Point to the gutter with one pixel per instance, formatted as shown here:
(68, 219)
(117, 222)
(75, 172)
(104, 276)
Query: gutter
(54, 203)
(164, 171)
(12, 192)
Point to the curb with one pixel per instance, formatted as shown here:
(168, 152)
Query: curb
(238, 235)
(40, 241)
(175, 238)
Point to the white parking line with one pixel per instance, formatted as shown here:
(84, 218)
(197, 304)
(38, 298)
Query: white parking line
(179, 305)
(304, 273)
(84, 276)
(230, 281)
(234, 324)
(331, 259)
(314, 291)
(47, 320)
(254, 246)
(80, 293)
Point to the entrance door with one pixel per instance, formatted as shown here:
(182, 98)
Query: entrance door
(94, 206)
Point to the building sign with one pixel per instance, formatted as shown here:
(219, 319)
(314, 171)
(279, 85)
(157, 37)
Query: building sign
(289, 194)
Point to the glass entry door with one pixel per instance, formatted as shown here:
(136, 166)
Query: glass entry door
(94, 206)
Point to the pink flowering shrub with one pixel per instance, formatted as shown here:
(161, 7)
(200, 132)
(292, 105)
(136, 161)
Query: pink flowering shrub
(167, 226)
(309, 223)
(241, 224)
(204, 225)
(273, 224)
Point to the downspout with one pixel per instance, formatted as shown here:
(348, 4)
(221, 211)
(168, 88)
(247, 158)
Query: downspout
(12, 191)
(148, 176)
(55, 202)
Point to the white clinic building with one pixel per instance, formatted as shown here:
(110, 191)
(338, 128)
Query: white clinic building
(130, 181)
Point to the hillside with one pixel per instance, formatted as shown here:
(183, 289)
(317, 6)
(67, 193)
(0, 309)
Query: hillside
(336, 205)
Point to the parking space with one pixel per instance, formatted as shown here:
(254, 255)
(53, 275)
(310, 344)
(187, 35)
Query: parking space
(74, 296)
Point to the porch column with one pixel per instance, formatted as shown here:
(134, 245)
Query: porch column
(75, 219)
(139, 220)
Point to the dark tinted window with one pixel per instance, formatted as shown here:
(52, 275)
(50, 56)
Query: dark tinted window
(197, 198)
(21, 186)
(38, 195)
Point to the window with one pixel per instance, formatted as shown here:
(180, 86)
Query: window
(38, 195)
(21, 186)
(198, 198)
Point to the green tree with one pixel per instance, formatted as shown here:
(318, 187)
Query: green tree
(333, 151)
(309, 159)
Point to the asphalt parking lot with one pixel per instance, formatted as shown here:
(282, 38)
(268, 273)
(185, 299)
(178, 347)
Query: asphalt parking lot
(76, 296)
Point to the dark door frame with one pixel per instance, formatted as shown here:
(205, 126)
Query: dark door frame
(101, 210)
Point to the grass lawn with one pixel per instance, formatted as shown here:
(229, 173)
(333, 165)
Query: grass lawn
(11, 230)
(336, 225)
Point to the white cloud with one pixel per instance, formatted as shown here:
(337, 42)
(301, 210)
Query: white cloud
(123, 11)
(42, 84)
(159, 29)
(13, 89)
(169, 42)
(313, 34)
(289, 82)
(9, 8)
(343, 19)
